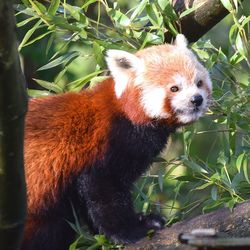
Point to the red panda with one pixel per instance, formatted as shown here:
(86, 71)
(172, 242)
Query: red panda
(89, 148)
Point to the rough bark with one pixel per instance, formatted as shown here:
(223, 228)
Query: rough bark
(200, 21)
(13, 105)
(235, 224)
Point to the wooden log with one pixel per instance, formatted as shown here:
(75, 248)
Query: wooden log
(234, 223)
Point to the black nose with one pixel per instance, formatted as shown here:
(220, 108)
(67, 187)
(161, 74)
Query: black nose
(197, 100)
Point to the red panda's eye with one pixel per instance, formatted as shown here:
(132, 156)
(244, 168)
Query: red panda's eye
(199, 83)
(174, 88)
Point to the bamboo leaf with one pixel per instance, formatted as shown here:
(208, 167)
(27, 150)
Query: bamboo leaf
(38, 7)
(227, 4)
(190, 10)
(29, 34)
(77, 85)
(141, 6)
(76, 12)
(60, 75)
(245, 170)
(38, 93)
(26, 21)
(53, 7)
(85, 5)
(49, 85)
(64, 59)
(214, 192)
(98, 54)
(38, 38)
(205, 185)
(239, 161)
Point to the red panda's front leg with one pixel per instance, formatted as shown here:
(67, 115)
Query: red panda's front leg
(110, 209)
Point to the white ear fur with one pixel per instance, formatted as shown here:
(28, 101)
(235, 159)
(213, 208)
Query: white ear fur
(121, 64)
(181, 41)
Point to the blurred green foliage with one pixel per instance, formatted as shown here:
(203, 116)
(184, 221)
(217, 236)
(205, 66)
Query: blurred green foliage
(207, 164)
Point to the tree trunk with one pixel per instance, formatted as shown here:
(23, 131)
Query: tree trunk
(13, 106)
(233, 224)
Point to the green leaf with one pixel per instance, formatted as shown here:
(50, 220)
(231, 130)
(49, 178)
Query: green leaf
(153, 15)
(212, 206)
(163, 4)
(215, 177)
(77, 85)
(190, 10)
(24, 22)
(119, 17)
(38, 7)
(230, 204)
(245, 170)
(239, 44)
(29, 34)
(38, 93)
(203, 186)
(101, 239)
(186, 178)
(97, 79)
(237, 179)
(227, 4)
(54, 5)
(60, 75)
(233, 33)
(50, 43)
(214, 192)
(73, 246)
(236, 58)
(38, 38)
(168, 11)
(49, 85)
(222, 159)
(62, 22)
(195, 167)
(160, 178)
(98, 54)
(26, 2)
(64, 59)
(239, 161)
(140, 7)
(87, 3)
(76, 12)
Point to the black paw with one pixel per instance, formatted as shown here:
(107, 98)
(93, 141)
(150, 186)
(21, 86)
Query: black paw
(152, 221)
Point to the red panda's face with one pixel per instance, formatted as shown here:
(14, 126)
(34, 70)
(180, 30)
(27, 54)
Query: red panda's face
(170, 82)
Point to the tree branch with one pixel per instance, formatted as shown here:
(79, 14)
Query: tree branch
(13, 106)
(235, 223)
(200, 21)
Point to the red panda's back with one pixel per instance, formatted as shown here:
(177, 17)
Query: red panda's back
(63, 134)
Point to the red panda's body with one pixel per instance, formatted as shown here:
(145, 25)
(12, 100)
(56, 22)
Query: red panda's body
(89, 148)
(76, 136)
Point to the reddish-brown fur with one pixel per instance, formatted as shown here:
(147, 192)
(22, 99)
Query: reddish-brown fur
(129, 102)
(59, 147)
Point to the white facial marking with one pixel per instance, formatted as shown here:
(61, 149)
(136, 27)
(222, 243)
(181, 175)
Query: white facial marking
(120, 73)
(152, 100)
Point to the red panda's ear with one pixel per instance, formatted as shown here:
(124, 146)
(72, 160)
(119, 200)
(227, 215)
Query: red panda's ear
(121, 64)
(181, 41)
